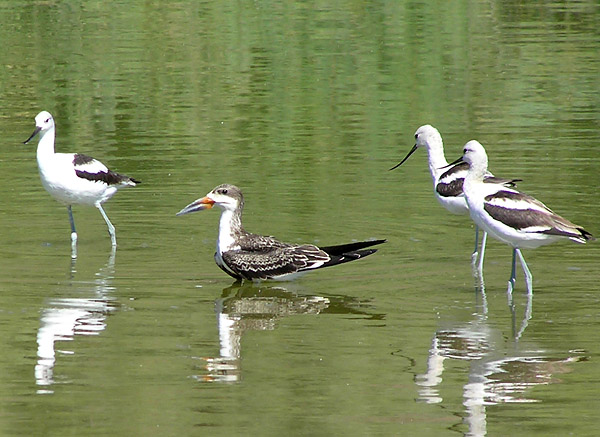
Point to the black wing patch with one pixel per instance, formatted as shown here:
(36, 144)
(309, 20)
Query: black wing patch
(450, 183)
(342, 249)
(458, 168)
(541, 220)
(519, 216)
(109, 177)
(105, 175)
(81, 159)
(502, 181)
(452, 189)
(516, 197)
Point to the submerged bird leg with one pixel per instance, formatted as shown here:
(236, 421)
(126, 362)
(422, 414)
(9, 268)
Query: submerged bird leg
(73, 233)
(528, 277)
(111, 228)
(480, 289)
(526, 316)
(477, 257)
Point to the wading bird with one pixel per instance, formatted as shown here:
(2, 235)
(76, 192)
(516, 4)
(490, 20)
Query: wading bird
(448, 180)
(243, 255)
(73, 178)
(510, 216)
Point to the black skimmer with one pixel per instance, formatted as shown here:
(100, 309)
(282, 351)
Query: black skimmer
(73, 178)
(448, 179)
(510, 216)
(243, 255)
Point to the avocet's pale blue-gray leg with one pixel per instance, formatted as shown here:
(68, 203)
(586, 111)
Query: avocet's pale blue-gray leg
(528, 277)
(482, 252)
(513, 274)
(111, 228)
(73, 233)
(479, 282)
(476, 249)
(477, 257)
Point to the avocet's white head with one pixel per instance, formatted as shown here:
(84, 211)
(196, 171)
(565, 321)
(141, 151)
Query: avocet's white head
(227, 197)
(426, 136)
(474, 154)
(43, 123)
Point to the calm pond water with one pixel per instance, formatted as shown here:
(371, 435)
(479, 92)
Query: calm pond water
(305, 106)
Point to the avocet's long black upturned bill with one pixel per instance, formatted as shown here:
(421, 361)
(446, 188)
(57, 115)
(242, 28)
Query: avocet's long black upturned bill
(243, 255)
(448, 179)
(73, 178)
(510, 216)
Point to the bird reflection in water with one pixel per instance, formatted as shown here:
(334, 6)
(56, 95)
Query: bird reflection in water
(498, 371)
(64, 318)
(517, 332)
(258, 307)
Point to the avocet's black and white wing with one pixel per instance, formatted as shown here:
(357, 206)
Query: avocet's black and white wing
(527, 214)
(91, 169)
(450, 183)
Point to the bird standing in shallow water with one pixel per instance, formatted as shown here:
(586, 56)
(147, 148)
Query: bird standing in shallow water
(510, 216)
(73, 178)
(243, 255)
(448, 180)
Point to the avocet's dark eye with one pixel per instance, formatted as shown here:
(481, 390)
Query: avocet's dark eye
(416, 136)
(47, 120)
(224, 191)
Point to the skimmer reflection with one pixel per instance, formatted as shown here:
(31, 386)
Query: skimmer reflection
(258, 307)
